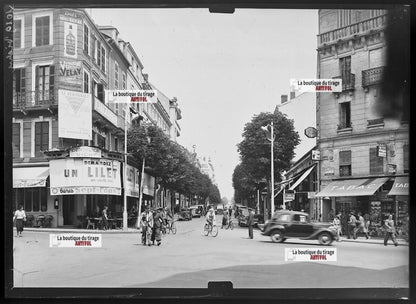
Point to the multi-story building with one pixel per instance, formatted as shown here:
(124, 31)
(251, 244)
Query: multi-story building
(67, 140)
(364, 157)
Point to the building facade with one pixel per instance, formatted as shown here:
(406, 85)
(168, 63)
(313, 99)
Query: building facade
(364, 157)
(63, 128)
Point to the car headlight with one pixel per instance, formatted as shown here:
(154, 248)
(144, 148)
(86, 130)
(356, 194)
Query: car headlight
(266, 222)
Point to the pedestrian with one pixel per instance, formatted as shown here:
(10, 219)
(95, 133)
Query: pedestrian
(367, 223)
(105, 218)
(390, 230)
(351, 225)
(19, 218)
(157, 225)
(153, 234)
(337, 225)
(146, 223)
(224, 220)
(360, 226)
(230, 212)
(331, 215)
(250, 222)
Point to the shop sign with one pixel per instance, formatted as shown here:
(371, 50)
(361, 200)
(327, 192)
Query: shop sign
(132, 183)
(382, 151)
(74, 115)
(391, 168)
(83, 151)
(329, 171)
(289, 195)
(103, 110)
(316, 155)
(84, 176)
(148, 184)
(311, 195)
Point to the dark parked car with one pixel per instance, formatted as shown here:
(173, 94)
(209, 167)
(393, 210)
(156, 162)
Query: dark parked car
(243, 219)
(185, 214)
(196, 210)
(293, 224)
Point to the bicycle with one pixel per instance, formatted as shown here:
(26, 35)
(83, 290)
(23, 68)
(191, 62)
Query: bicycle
(210, 229)
(171, 227)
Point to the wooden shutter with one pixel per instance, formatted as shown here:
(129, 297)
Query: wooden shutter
(52, 82)
(376, 162)
(405, 158)
(344, 158)
(16, 140)
(38, 138)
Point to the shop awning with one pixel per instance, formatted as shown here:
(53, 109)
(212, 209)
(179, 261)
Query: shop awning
(353, 187)
(30, 177)
(300, 179)
(400, 186)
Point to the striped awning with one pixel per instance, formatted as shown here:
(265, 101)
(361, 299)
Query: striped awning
(29, 177)
(353, 187)
(400, 186)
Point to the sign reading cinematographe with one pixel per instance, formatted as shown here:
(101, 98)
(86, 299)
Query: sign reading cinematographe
(84, 176)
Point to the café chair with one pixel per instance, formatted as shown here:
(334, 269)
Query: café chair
(48, 221)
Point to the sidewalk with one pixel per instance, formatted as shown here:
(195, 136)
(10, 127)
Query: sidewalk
(362, 239)
(77, 230)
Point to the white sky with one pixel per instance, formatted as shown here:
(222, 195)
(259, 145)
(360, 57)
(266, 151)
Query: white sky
(223, 68)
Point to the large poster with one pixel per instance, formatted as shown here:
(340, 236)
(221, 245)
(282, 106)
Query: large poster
(75, 115)
(70, 73)
(70, 39)
(84, 176)
(132, 182)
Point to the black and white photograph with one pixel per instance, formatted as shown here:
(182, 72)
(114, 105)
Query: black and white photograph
(225, 148)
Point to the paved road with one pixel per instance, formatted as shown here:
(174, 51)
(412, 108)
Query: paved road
(190, 259)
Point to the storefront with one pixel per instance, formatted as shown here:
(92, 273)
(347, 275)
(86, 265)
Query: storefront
(82, 181)
(400, 194)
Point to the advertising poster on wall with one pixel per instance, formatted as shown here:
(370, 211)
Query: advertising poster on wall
(70, 39)
(72, 176)
(75, 115)
(148, 184)
(132, 182)
(69, 73)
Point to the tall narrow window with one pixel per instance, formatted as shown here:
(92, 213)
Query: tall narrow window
(116, 144)
(376, 162)
(345, 69)
(124, 81)
(344, 115)
(44, 82)
(103, 59)
(19, 85)
(16, 140)
(98, 53)
(100, 92)
(86, 39)
(42, 31)
(406, 158)
(116, 75)
(93, 48)
(17, 35)
(345, 163)
(41, 137)
(86, 82)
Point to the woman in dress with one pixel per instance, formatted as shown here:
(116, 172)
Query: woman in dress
(19, 218)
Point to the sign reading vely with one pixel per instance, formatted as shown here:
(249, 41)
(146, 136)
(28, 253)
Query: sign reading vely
(84, 176)
(131, 96)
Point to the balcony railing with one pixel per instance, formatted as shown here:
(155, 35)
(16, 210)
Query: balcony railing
(372, 76)
(344, 125)
(33, 99)
(375, 122)
(362, 27)
(348, 83)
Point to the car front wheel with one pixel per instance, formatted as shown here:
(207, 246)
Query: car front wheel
(277, 236)
(325, 238)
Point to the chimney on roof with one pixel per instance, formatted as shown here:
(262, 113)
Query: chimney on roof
(283, 98)
(292, 95)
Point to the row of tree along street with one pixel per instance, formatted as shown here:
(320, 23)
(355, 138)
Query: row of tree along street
(173, 166)
(253, 173)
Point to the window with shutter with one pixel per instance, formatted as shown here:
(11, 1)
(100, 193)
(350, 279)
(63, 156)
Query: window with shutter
(42, 31)
(16, 140)
(86, 39)
(100, 92)
(376, 162)
(41, 137)
(103, 59)
(345, 163)
(17, 35)
(344, 115)
(406, 158)
(98, 53)
(19, 85)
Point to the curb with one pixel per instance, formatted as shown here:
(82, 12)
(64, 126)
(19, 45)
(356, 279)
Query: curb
(95, 231)
(375, 242)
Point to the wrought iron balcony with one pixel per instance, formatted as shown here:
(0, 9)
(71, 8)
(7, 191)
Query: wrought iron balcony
(348, 83)
(360, 28)
(372, 76)
(35, 99)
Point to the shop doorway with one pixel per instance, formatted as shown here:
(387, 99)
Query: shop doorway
(68, 209)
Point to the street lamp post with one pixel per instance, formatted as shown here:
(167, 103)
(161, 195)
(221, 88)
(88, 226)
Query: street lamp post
(271, 163)
(125, 171)
(141, 187)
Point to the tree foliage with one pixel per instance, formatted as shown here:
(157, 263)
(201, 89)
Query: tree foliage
(172, 165)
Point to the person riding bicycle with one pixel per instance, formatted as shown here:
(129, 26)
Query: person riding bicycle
(211, 217)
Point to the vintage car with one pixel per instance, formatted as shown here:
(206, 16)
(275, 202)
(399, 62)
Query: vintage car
(243, 219)
(196, 210)
(185, 214)
(293, 224)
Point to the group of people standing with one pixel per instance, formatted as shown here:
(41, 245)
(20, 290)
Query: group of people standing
(352, 225)
(152, 223)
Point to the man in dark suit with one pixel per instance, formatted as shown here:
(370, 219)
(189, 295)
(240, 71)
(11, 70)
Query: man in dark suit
(250, 223)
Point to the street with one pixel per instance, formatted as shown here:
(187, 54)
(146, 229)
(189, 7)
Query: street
(190, 260)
